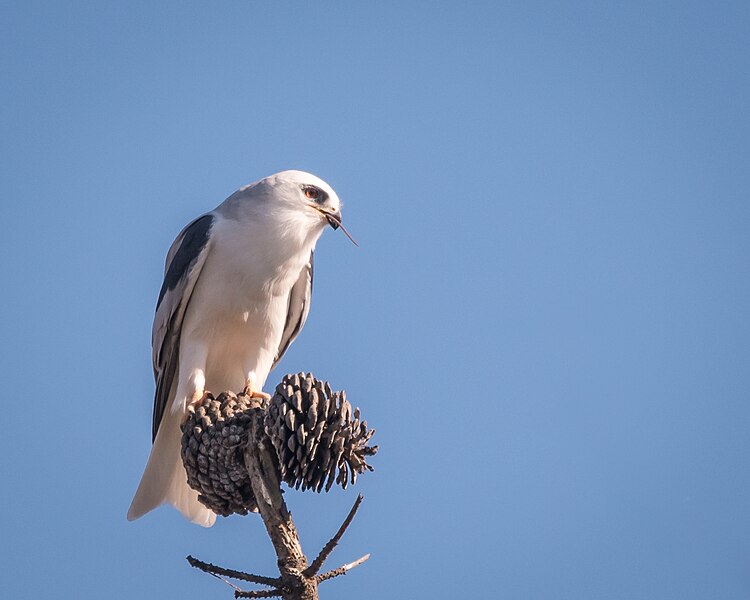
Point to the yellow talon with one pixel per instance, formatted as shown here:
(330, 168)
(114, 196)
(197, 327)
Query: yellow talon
(198, 397)
(251, 393)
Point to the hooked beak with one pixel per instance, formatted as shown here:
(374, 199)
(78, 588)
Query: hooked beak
(334, 220)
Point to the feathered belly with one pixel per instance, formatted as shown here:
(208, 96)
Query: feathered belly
(241, 338)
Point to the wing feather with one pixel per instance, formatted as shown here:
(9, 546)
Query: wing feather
(298, 308)
(185, 259)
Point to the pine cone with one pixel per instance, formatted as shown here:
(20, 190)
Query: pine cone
(213, 442)
(318, 439)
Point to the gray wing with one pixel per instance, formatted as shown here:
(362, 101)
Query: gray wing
(185, 259)
(298, 308)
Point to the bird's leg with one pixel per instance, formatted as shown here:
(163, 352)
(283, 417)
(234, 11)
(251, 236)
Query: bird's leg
(198, 380)
(250, 390)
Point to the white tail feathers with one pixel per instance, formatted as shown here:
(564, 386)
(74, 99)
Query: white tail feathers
(165, 482)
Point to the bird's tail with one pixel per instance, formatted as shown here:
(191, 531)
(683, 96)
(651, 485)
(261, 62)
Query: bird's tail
(164, 481)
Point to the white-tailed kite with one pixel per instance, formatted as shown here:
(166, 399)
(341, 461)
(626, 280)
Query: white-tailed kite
(236, 293)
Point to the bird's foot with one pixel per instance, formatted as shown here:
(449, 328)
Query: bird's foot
(198, 397)
(195, 401)
(251, 393)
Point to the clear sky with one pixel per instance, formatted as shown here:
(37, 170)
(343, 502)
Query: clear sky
(547, 321)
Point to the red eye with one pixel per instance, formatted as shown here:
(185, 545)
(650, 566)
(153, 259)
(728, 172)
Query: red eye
(312, 193)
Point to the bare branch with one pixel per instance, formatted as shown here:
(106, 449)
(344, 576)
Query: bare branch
(258, 594)
(239, 575)
(313, 569)
(342, 570)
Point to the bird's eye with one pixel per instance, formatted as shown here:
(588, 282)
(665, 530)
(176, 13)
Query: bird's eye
(312, 192)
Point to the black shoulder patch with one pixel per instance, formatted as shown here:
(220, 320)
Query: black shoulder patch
(194, 240)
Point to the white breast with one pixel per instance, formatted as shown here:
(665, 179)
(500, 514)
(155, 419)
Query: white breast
(239, 305)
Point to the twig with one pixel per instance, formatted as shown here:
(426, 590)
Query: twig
(239, 575)
(258, 594)
(338, 222)
(341, 570)
(333, 542)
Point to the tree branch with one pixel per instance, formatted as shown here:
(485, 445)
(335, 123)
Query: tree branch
(342, 570)
(231, 573)
(258, 594)
(276, 517)
(334, 541)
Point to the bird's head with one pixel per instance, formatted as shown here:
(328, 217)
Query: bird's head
(310, 197)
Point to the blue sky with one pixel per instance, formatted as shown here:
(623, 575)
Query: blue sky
(547, 321)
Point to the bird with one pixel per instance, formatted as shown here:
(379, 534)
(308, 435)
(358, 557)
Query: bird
(236, 293)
